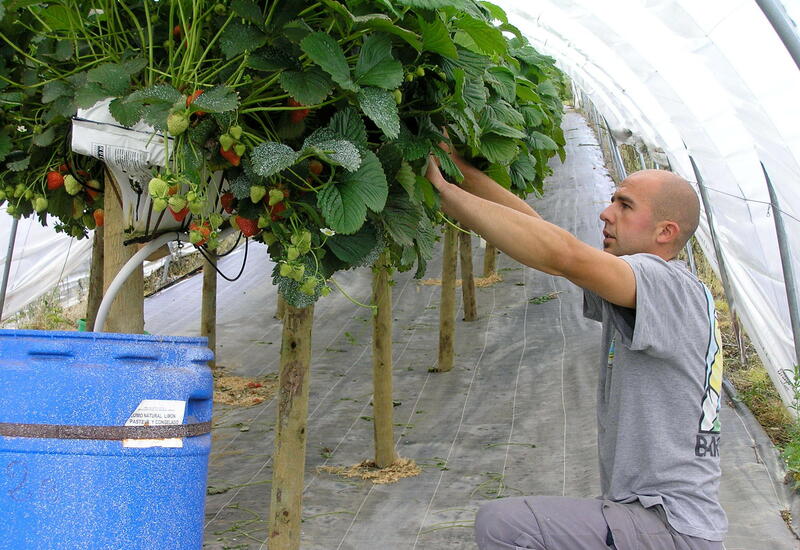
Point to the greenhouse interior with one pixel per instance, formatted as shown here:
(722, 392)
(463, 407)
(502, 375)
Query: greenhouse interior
(328, 275)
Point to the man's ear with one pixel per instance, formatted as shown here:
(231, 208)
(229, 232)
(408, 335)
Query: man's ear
(668, 232)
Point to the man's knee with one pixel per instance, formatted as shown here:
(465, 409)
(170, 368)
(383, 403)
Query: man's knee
(506, 523)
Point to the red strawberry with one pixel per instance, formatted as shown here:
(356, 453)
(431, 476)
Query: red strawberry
(230, 156)
(247, 226)
(54, 180)
(199, 233)
(64, 168)
(275, 211)
(190, 100)
(99, 217)
(315, 167)
(298, 114)
(179, 216)
(226, 199)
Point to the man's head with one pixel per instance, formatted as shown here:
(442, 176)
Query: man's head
(652, 211)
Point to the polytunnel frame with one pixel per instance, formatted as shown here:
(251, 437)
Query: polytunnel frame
(551, 28)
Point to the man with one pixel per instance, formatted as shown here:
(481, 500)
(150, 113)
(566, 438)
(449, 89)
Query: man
(660, 368)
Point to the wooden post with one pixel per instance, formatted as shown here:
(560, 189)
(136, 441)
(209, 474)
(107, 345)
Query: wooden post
(467, 278)
(280, 308)
(447, 305)
(382, 406)
(208, 311)
(95, 295)
(127, 311)
(489, 260)
(289, 458)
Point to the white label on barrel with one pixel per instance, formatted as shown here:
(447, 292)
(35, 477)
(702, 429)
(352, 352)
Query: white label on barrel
(156, 412)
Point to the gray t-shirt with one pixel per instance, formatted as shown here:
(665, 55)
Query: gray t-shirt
(659, 395)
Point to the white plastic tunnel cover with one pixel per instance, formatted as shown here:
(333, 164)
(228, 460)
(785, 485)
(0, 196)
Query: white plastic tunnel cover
(711, 80)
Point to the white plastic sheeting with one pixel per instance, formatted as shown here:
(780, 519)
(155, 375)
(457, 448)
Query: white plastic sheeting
(713, 81)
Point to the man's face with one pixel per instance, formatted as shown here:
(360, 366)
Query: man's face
(629, 226)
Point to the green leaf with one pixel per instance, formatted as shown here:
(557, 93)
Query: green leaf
(500, 173)
(53, 90)
(541, 141)
(5, 144)
(270, 59)
(488, 38)
(413, 147)
(436, 38)
(323, 50)
(156, 115)
(407, 179)
(162, 93)
(325, 144)
(503, 82)
(19, 165)
(547, 88)
(309, 87)
(348, 124)
(111, 77)
(269, 158)
(495, 11)
(525, 167)
(370, 181)
(376, 66)
(248, 10)
(45, 138)
(217, 100)
(88, 95)
(353, 249)
(431, 4)
(238, 38)
(498, 149)
(475, 94)
(381, 22)
(344, 204)
(447, 165)
(401, 219)
(380, 107)
(63, 50)
(240, 187)
(127, 114)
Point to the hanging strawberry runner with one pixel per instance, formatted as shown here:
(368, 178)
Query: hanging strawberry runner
(317, 119)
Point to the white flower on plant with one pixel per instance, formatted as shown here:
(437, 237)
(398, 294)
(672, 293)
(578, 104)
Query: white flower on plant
(21, 129)
(327, 231)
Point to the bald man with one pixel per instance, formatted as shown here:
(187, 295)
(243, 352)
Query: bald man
(659, 362)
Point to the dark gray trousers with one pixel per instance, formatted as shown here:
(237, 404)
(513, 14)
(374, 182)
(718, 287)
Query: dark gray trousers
(562, 523)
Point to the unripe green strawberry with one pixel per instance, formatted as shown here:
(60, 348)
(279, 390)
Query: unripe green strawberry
(177, 123)
(19, 190)
(177, 203)
(191, 196)
(325, 290)
(72, 185)
(239, 149)
(235, 132)
(263, 221)
(40, 204)
(2, 195)
(420, 71)
(158, 187)
(309, 286)
(159, 204)
(215, 220)
(196, 207)
(409, 77)
(268, 238)
(398, 96)
(28, 194)
(88, 220)
(257, 193)
(297, 272)
(220, 9)
(275, 196)
(77, 208)
(226, 141)
(292, 253)
(11, 209)
(285, 270)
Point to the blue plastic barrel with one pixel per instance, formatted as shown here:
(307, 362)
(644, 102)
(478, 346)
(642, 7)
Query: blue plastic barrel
(69, 477)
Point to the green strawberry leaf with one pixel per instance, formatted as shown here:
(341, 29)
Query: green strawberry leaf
(407, 179)
(376, 66)
(495, 11)
(325, 144)
(127, 114)
(217, 100)
(436, 38)
(323, 50)
(88, 95)
(19, 165)
(309, 87)
(342, 207)
(380, 107)
(370, 181)
(488, 38)
(111, 77)
(498, 149)
(382, 22)
(269, 158)
(401, 219)
(348, 124)
(432, 4)
(162, 93)
(503, 82)
(45, 138)
(238, 38)
(5, 144)
(353, 249)
(247, 9)
(541, 141)
(55, 89)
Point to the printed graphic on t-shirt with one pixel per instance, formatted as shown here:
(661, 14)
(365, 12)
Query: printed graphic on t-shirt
(611, 351)
(708, 438)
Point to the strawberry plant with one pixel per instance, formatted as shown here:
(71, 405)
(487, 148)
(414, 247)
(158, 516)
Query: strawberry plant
(318, 116)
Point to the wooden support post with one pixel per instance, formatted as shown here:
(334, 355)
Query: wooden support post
(289, 457)
(280, 307)
(127, 311)
(489, 260)
(467, 277)
(95, 295)
(382, 406)
(447, 304)
(208, 310)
